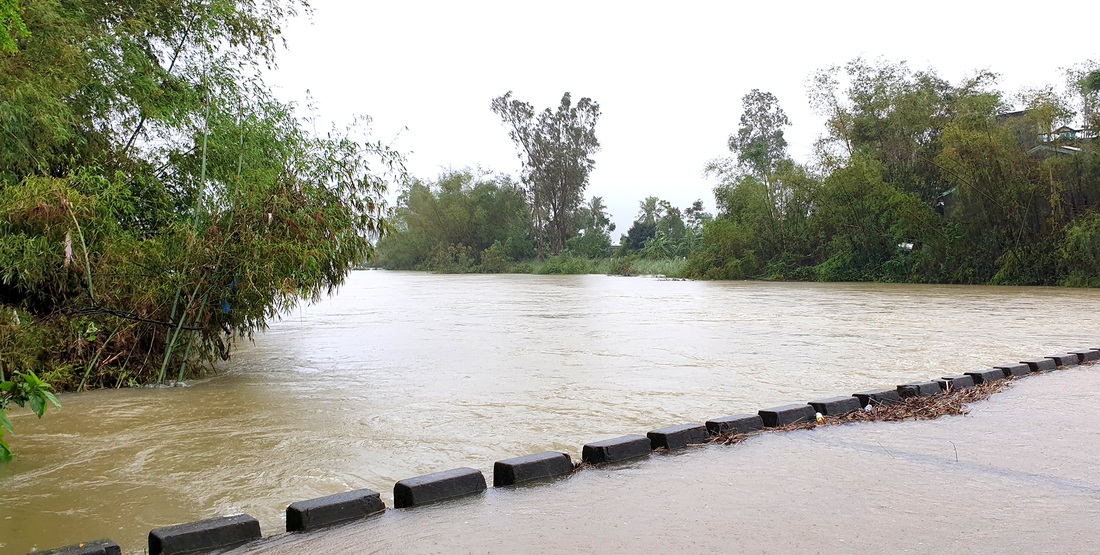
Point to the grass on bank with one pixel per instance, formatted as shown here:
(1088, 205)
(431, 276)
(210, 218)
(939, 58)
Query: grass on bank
(619, 266)
(565, 264)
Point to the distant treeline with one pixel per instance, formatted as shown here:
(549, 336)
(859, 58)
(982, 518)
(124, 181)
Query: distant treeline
(914, 179)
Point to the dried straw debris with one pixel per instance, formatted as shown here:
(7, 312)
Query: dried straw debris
(915, 408)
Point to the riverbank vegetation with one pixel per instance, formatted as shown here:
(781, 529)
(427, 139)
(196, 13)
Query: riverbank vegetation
(913, 179)
(156, 202)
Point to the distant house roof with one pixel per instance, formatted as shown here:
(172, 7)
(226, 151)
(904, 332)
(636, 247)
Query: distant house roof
(1009, 115)
(1053, 149)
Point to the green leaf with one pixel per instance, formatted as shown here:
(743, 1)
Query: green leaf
(5, 453)
(52, 398)
(5, 424)
(38, 404)
(32, 380)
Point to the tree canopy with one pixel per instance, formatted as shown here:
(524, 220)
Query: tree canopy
(556, 148)
(155, 200)
(916, 179)
(457, 222)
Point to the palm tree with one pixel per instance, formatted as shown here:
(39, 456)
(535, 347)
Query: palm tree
(650, 210)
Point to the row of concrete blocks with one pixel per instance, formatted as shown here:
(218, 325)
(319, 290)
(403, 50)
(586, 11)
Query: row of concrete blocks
(227, 532)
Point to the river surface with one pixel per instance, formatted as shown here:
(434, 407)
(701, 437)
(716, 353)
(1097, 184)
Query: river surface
(402, 374)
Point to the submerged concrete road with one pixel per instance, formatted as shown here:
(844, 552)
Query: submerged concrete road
(1019, 474)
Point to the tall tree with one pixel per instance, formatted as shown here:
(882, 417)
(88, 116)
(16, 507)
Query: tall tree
(760, 152)
(759, 144)
(556, 149)
(650, 210)
(1085, 80)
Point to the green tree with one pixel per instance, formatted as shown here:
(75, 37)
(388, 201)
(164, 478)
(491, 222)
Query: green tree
(594, 239)
(896, 115)
(662, 230)
(1084, 80)
(759, 144)
(1080, 251)
(1001, 225)
(152, 188)
(449, 224)
(11, 25)
(556, 149)
(760, 151)
(868, 223)
(650, 210)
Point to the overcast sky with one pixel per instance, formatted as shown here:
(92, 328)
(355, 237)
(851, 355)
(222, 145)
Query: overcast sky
(668, 76)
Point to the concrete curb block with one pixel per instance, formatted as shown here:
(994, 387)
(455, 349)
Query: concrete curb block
(1066, 359)
(1017, 370)
(616, 449)
(787, 414)
(954, 383)
(835, 406)
(1087, 355)
(919, 389)
(984, 376)
(678, 437)
(1040, 364)
(877, 397)
(204, 535)
(437, 486)
(98, 547)
(737, 424)
(550, 464)
(304, 516)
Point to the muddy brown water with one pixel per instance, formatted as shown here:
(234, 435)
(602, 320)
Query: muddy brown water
(402, 374)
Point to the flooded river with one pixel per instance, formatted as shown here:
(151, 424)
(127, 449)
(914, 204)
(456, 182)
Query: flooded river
(406, 373)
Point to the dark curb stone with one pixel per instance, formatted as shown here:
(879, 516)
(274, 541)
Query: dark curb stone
(787, 414)
(737, 424)
(835, 406)
(956, 382)
(616, 449)
(1039, 364)
(984, 376)
(98, 547)
(1067, 359)
(429, 488)
(678, 437)
(204, 535)
(877, 397)
(1015, 369)
(1087, 355)
(531, 467)
(304, 516)
(919, 389)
